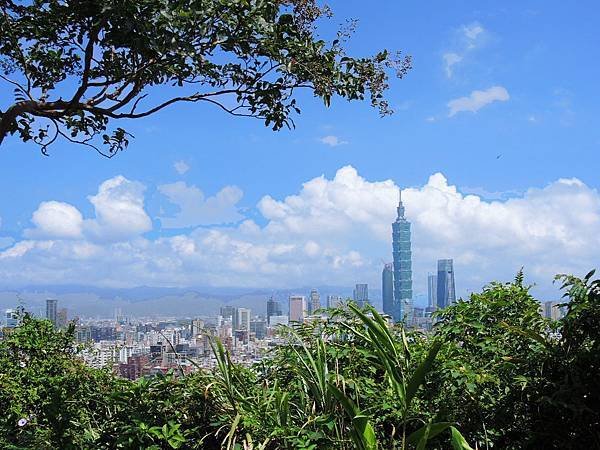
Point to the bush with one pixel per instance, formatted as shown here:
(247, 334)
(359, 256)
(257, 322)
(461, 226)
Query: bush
(493, 368)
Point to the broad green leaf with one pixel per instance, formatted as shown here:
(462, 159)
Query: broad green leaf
(434, 429)
(458, 441)
(421, 372)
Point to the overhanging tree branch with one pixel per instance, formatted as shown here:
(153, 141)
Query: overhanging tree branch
(248, 57)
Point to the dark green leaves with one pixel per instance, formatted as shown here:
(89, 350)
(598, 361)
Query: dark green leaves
(77, 66)
(458, 440)
(418, 377)
(349, 381)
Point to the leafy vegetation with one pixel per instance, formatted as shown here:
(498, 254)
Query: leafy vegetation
(494, 374)
(77, 66)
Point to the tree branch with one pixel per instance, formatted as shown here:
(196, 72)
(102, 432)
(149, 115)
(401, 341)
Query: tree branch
(89, 53)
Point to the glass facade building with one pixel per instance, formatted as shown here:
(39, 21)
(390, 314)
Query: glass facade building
(273, 309)
(387, 289)
(446, 294)
(401, 246)
(11, 318)
(361, 294)
(52, 311)
(432, 291)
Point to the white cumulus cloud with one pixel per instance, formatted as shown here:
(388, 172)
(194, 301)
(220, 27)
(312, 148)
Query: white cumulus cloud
(56, 220)
(195, 209)
(119, 207)
(119, 215)
(336, 231)
(477, 100)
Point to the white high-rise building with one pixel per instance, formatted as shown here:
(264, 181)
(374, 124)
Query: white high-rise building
(278, 320)
(11, 318)
(335, 301)
(243, 319)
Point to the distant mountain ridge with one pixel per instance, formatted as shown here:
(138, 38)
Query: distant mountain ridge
(146, 301)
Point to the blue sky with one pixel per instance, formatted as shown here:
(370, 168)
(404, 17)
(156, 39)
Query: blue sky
(502, 99)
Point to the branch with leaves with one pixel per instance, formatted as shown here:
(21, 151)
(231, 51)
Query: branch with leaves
(75, 67)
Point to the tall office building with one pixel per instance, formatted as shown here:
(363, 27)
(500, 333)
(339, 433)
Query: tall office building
(446, 293)
(361, 294)
(227, 312)
(432, 291)
(196, 327)
(242, 321)
(387, 289)
(315, 301)
(273, 308)
(52, 311)
(298, 310)
(403, 301)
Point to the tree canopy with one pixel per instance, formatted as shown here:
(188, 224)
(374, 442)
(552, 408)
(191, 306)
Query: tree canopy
(77, 66)
(493, 374)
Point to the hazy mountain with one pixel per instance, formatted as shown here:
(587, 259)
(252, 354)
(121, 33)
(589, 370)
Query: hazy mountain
(90, 301)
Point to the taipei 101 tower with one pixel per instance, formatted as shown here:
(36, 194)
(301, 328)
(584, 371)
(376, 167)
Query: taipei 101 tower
(403, 302)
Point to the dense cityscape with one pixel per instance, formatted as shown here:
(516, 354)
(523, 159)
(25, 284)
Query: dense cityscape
(137, 347)
(299, 225)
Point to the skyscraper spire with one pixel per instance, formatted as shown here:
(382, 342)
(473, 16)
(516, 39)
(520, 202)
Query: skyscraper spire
(400, 208)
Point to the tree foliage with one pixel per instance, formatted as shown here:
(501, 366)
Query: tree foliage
(77, 66)
(494, 374)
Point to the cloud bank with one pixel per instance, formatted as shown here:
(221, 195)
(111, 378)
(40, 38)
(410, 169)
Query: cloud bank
(331, 231)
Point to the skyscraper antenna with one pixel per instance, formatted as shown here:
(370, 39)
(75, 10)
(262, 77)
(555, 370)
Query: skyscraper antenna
(400, 207)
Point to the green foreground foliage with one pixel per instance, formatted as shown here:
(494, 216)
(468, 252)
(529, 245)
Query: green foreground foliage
(494, 374)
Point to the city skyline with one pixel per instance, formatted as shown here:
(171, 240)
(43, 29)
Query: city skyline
(312, 224)
(312, 206)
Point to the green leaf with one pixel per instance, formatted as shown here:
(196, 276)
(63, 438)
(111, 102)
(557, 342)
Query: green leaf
(458, 441)
(434, 429)
(363, 432)
(421, 372)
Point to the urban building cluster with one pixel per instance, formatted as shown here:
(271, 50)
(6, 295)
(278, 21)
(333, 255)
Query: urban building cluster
(135, 348)
(147, 346)
(140, 347)
(396, 279)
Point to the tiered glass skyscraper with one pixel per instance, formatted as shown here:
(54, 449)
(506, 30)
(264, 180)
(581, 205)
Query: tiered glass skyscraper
(403, 302)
